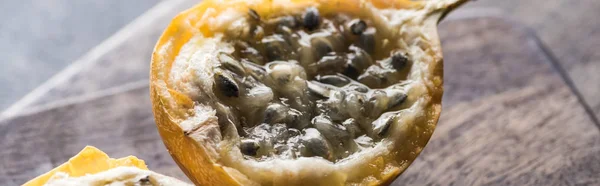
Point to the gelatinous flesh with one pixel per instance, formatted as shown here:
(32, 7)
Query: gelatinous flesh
(311, 85)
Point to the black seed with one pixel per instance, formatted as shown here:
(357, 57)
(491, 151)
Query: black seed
(334, 80)
(399, 61)
(254, 15)
(330, 64)
(330, 130)
(359, 58)
(277, 48)
(366, 41)
(227, 86)
(384, 129)
(318, 89)
(357, 87)
(351, 71)
(397, 99)
(313, 144)
(383, 124)
(145, 181)
(231, 64)
(293, 132)
(275, 113)
(311, 18)
(352, 127)
(358, 27)
(370, 80)
(255, 70)
(274, 51)
(249, 147)
(322, 47)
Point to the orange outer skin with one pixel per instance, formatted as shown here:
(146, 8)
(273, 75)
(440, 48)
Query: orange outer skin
(169, 106)
(89, 161)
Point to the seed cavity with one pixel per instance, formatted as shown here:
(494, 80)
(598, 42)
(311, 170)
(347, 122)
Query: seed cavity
(249, 147)
(311, 18)
(335, 80)
(310, 85)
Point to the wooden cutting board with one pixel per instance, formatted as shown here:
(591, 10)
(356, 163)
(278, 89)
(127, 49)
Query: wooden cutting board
(508, 116)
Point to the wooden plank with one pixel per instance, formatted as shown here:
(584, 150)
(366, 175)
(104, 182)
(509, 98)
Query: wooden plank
(519, 137)
(120, 125)
(504, 104)
(509, 119)
(570, 30)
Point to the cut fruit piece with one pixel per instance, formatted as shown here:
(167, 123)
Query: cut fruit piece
(302, 92)
(93, 167)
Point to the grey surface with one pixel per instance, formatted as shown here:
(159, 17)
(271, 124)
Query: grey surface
(124, 60)
(41, 37)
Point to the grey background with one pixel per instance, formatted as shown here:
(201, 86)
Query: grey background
(38, 38)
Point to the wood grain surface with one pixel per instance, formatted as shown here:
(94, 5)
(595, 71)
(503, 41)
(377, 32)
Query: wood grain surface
(508, 119)
(569, 29)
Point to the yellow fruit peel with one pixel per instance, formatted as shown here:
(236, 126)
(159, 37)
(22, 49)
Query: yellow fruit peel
(90, 160)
